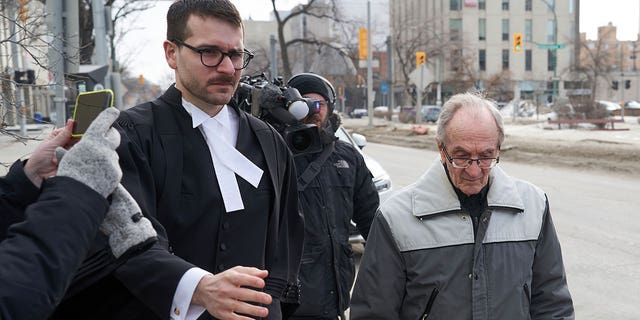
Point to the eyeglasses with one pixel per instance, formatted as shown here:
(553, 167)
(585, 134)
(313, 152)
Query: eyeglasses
(213, 56)
(320, 103)
(463, 163)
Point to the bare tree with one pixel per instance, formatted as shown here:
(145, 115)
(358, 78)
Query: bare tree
(596, 63)
(20, 37)
(314, 9)
(121, 10)
(421, 37)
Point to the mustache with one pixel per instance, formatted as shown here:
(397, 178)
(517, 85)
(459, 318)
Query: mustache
(313, 118)
(223, 79)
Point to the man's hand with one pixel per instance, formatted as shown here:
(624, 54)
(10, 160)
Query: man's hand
(43, 163)
(226, 295)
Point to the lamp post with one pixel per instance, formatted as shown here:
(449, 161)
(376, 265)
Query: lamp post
(554, 50)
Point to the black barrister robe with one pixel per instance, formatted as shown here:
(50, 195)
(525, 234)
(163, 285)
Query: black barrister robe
(168, 169)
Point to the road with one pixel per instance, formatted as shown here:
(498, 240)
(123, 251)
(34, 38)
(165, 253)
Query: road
(597, 217)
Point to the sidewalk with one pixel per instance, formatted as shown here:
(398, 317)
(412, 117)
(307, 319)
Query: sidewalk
(12, 148)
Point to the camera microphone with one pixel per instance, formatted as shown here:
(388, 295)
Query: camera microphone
(299, 109)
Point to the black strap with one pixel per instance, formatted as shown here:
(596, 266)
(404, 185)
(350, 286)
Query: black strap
(314, 167)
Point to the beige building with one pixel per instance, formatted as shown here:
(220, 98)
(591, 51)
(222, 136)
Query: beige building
(470, 44)
(618, 63)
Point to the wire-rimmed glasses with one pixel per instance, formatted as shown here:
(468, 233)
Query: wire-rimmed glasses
(463, 163)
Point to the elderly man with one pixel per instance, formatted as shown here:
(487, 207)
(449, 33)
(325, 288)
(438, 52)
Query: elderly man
(466, 241)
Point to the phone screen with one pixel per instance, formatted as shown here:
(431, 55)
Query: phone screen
(88, 106)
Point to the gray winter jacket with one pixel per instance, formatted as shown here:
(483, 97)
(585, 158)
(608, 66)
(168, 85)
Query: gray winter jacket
(422, 262)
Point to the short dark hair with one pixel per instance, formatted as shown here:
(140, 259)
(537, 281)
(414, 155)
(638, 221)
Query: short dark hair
(180, 11)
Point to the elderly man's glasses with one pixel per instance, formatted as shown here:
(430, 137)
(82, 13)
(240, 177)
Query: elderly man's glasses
(463, 163)
(213, 56)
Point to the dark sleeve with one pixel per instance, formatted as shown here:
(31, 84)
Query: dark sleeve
(41, 254)
(16, 193)
(379, 287)
(153, 275)
(366, 199)
(284, 263)
(550, 297)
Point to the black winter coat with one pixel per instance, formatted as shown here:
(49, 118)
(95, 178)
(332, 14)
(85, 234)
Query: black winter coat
(40, 255)
(16, 193)
(342, 191)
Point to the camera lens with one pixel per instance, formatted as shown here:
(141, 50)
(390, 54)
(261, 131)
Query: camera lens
(300, 141)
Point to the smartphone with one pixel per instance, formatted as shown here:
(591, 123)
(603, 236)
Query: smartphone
(88, 106)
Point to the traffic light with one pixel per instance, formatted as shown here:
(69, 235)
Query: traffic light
(517, 42)
(421, 57)
(24, 77)
(23, 10)
(362, 44)
(614, 84)
(627, 84)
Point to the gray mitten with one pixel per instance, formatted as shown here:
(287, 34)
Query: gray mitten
(125, 225)
(94, 161)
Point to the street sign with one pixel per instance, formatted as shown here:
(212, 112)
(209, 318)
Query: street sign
(384, 88)
(551, 46)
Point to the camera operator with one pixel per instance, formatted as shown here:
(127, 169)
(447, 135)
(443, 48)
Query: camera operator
(334, 187)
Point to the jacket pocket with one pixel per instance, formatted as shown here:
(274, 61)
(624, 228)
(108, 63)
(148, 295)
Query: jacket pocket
(427, 309)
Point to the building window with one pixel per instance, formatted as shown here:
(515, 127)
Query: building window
(527, 5)
(482, 29)
(482, 4)
(455, 29)
(571, 6)
(527, 60)
(505, 29)
(550, 28)
(456, 60)
(571, 33)
(551, 63)
(528, 30)
(505, 5)
(505, 59)
(455, 5)
(482, 59)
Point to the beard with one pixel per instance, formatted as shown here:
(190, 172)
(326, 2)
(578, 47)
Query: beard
(210, 92)
(317, 120)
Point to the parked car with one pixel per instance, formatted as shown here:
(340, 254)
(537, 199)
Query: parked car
(381, 178)
(358, 113)
(431, 113)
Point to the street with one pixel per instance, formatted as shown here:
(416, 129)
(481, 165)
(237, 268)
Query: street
(594, 214)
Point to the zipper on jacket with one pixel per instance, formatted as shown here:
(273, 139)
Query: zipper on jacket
(427, 309)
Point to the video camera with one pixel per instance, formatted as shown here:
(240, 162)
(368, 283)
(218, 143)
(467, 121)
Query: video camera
(283, 108)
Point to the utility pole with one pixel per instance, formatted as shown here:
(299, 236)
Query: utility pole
(21, 111)
(390, 74)
(116, 78)
(622, 83)
(440, 62)
(554, 50)
(274, 62)
(56, 58)
(97, 8)
(369, 68)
